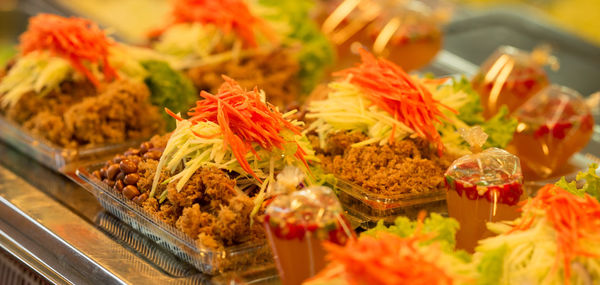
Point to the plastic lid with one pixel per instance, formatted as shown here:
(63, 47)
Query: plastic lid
(552, 105)
(288, 180)
(316, 205)
(492, 166)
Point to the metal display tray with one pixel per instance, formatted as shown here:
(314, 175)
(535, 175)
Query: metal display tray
(207, 260)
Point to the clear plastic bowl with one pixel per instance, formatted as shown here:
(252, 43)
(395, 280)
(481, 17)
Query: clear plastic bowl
(209, 261)
(366, 208)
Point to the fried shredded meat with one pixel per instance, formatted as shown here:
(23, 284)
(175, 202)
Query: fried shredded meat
(275, 72)
(77, 115)
(208, 209)
(406, 166)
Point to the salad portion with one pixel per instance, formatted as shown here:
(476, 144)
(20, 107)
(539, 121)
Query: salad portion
(555, 241)
(405, 253)
(271, 44)
(210, 176)
(74, 86)
(391, 133)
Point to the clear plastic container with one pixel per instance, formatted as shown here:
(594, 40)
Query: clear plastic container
(58, 158)
(366, 209)
(209, 261)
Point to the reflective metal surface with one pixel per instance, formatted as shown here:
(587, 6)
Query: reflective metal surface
(59, 230)
(62, 233)
(53, 232)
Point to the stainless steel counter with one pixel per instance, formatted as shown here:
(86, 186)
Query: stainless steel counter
(59, 230)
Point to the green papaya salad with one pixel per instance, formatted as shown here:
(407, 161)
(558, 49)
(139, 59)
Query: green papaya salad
(211, 177)
(73, 85)
(238, 132)
(272, 44)
(393, 133)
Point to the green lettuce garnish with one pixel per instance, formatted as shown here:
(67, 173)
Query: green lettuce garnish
(461, 96)
(500, 129)
(169, 89)
(590, 179)
(491, 266)
(293, 20)
(7, 51)
(443, 230)
(472, 111)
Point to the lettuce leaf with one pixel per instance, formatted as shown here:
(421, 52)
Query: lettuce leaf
(467, 102)
(169, 89)
(590, 179)
(500, 129)
(472, 112)
(443, 228)
(491, 266)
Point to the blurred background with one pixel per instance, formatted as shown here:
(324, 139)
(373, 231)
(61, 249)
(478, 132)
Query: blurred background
(131, 18)
(473, 32)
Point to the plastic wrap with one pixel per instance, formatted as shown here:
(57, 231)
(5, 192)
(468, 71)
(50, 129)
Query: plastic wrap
(207, 260)
(297, 224)
(482, 187)
(58, 158)
(553, 125)
(392, 29)
(511, 76)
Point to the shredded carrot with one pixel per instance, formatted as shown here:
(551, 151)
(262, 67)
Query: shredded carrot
(387, 259)
(227, 15)
(393, 90)
(77, 40)
(244, 119)
(574, 219)
(177, 117)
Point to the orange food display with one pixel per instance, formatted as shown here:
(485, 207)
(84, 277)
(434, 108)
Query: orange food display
(406, 32)
(482, 187)
(555, 124)
(244, 119)
(297, 224)
(78, 40)
(509, 77)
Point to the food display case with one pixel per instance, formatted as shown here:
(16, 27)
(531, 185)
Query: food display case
(59, 224)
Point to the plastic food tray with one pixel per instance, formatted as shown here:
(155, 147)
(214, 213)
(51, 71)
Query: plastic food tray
(58, 158)
(206, 260)
(367, 208)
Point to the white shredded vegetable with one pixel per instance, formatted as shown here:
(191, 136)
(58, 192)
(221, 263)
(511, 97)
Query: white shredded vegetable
(186, 152)
(37, 72)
